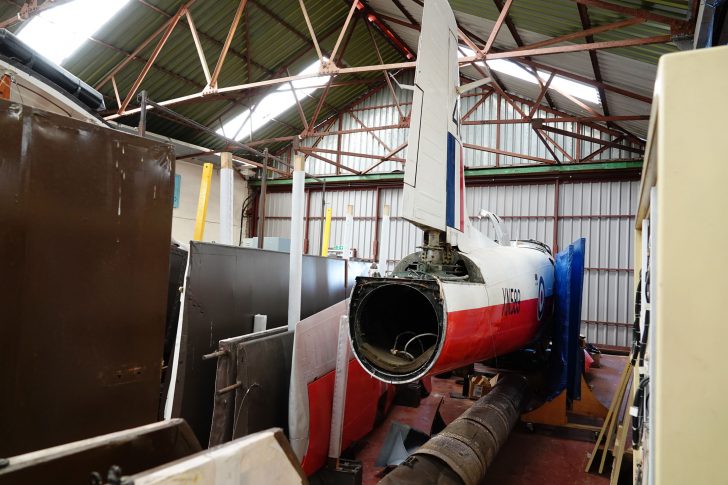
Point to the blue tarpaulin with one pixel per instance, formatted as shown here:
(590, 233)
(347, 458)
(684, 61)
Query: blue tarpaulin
(567, 358)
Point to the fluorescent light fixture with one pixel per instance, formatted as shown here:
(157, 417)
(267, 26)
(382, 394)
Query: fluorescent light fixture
(559, 83)
(245, 124)
(58, 32)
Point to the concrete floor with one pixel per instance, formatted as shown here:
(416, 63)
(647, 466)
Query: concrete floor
(547, 455)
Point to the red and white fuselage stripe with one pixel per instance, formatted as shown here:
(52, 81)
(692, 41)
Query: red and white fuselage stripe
(505, 314)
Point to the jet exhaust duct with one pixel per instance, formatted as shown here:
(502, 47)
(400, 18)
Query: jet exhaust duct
(463, 452)
(397, 326)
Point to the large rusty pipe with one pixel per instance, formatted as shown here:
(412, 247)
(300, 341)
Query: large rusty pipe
(461, 454)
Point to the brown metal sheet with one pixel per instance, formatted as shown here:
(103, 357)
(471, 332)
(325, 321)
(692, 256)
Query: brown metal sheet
(133, 450)
(226, 286)
(84, 247)
(264, 372)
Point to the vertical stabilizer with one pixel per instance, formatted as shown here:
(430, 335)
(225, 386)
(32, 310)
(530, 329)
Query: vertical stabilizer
(434, 181)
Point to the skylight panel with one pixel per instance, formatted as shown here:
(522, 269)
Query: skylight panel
(58, 32)
(245, 124)
(559, 83)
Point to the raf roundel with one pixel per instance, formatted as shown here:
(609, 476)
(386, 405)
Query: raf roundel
(541, 297)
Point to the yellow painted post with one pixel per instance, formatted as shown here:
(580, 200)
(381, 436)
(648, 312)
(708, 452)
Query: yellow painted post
(327, 233)
(202, 201)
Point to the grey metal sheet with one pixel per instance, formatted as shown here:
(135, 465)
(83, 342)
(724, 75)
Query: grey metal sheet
(226, 287)
(86, 217)
(223, 409)
(264, 370)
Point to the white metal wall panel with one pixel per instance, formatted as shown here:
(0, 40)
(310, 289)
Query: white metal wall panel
(527, 210)
(369, 115)
(515, 137)
(603, 212)
(404, 237)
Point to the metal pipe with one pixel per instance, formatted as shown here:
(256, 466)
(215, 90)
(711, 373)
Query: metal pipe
(298, 202)
(384, 242)
(326, 230)
(226, 198)
(261, 206)
(324, 248)
(465, 449)
(143, 113)
(348, 231)
(341, 376)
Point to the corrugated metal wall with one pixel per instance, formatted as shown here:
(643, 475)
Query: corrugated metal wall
(602, 212)
(379, 111)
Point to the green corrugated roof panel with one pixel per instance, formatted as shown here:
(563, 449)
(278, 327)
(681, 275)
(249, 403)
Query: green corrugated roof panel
(559, 17)
(273, 47)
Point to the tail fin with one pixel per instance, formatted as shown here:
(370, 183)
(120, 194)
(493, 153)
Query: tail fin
(434, 180)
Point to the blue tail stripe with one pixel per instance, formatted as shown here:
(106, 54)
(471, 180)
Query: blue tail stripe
(450, 181)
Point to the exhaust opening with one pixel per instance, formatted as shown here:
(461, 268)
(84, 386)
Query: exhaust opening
(397, 329)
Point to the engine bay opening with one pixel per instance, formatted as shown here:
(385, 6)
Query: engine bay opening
(397, 329)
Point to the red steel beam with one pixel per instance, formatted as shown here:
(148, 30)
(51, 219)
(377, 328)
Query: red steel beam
(134, 53)
(279, 139)
(484, 97)
(405, 12)
(142, 60)
(586, 80)
(384, 73)
(496, 27)
(165, 36)
(578, 136)
(519, 42)
(353, 154)
(611, 44)
(599, 150)
(210, 39)
(313, 154)
(537, 103)
(558, 146)
(370, 132)
(546, 144)
(599, 84)
(676, 25)
(561, 119)
(228, 41)
(586, 24)
(388, 156)
(508, 154)
(587, 32)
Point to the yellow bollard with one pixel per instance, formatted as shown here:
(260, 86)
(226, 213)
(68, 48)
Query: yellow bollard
(202, 201)
(327, 233)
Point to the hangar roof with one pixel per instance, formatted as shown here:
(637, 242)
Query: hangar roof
(272, 39)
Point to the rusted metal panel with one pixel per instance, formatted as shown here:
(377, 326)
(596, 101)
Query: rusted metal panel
(86, 216)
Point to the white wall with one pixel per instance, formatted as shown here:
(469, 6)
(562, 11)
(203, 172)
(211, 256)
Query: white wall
(183, 218)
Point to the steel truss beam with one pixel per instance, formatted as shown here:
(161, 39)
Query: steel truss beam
(523, 54)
